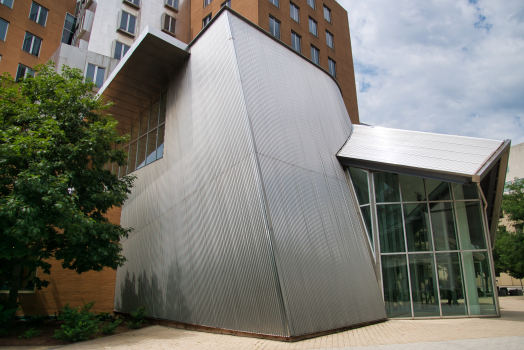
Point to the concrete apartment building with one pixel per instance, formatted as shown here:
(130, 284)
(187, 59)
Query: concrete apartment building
(261, 206)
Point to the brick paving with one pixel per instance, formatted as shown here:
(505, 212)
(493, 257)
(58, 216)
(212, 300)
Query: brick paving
(506, 332)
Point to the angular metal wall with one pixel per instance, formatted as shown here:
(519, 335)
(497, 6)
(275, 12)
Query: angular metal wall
(247, 223)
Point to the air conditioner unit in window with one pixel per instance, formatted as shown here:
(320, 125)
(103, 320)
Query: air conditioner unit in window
(168, 24)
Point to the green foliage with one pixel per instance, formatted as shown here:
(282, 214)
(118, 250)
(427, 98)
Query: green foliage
(110, 327)
(37, 320)
(138, 318)
(54, 190)
(6, 314)
(30, 333)
(104, 316)
(513, 203)
(79, 323)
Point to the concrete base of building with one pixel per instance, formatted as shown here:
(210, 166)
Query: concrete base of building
(193, 327)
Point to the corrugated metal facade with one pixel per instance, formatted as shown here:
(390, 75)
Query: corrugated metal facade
(247, 223)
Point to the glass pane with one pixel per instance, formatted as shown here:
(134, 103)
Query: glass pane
(360, 183)
(470, 225)
(3, 29)
(125, 49)
(132, 157)
(438, 190)
(452, 299)
(43, 16)
(418, 235)
(134, 129)
(412, 188)
(36, 46)
(90, 74)
(131, 27)
(144, 120)
(151, 147)
(123, 22)
(27, 42)
(100, 76)
(396, 287)
(123, 168)
(366, 213)
(163, 100)
(33, 14)
(443, 224)
(8, 3)
(424, 285)
(141, 152)
(391, 233)
(118, 50)
(155, 107)
(466, 191)
(69, 22)
(160, 142)
(386, 187)
(477, 274)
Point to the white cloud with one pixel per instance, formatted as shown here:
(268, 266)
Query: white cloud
(447, 66)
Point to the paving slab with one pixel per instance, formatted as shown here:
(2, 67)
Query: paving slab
(505, 333)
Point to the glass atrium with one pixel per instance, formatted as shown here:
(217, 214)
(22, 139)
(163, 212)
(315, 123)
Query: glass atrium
(430, 239)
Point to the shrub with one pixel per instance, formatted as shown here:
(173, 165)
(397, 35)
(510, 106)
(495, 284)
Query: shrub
(138, 318)
(37, 320)
(110, 327)
(30, 333)
(6, 315)
(104, 316)
(79, 323)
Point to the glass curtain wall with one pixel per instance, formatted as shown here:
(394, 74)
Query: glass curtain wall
(433, 245)
(146, 138)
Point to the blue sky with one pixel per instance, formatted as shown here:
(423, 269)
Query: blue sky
(445, 66)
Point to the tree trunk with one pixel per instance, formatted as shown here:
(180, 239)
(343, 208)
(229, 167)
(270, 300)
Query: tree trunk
(16, 280)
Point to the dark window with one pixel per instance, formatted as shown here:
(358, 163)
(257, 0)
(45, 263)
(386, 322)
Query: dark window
(3, 28)
(315, 55)
(332, 67)
(23, 71)
(127, 23)
(327, 13)
(274, 2)
(169, 24)
(311, 3)
(69, 29)
(295, 41)
(274, 27)
(206, 20)
(95, 74)
(120, 50)
(32, 44)
(329, 39)
(172, 3)
(206, 2)
(8, 3)
(38, 14)
(313, 26)
(294, 12)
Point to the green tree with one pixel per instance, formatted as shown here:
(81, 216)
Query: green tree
(509, 247)
(54, 190)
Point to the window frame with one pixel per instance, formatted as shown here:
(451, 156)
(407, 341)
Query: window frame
(172, 7)
(207, 2)
(95, 74)
(32, 44)
(206, 20)
(123, 50)
(27, 71)
(120, 19)
(132, 3)
(314, 6)
(334, 63)
(275, 3)
(294, 7)
(317, 50)
(332, 37)
(6, 28)
(165, 17)
(64, 28)
(327, 11)
(39, 12)
(312, 20)
(293, 36)
(277, 22)
(3, 3)
(226, 3)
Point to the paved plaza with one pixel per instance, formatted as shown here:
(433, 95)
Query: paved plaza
(505, 333)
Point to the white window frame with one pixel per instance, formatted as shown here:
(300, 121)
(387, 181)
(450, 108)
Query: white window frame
(315, 23)
(206, 20)
(277, 23)
(294, 11)
(32, 44)
(3, 3)
(40, 7)
(296, 39)
(122, 54)
(172, 24)
(317, 51)
(327, 11)
(95, 74)
(330, 38)
(6, 29)
(173, 7)
(132, 4)
(126, 31)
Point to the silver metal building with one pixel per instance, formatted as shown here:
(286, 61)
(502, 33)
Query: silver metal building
(245, 216)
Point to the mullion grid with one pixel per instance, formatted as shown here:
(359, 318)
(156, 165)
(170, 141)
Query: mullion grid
(434, 252)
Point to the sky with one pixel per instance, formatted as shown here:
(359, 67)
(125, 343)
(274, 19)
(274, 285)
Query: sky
(444, 66)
